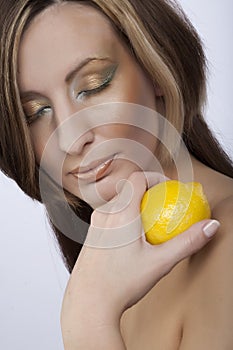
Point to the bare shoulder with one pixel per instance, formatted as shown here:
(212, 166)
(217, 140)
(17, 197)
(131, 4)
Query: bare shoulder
(221, 189)
(217, 256)
(224, 207)
(209, 303)
(222, 245)
(220, 198)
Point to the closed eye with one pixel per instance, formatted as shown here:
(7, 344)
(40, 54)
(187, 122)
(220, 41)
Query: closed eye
(40, 113)
(105, 83)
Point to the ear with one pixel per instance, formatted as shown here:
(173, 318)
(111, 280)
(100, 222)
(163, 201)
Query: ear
(159, 100)
(158, 91)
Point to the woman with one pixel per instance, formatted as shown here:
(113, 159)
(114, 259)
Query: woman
(139, 54)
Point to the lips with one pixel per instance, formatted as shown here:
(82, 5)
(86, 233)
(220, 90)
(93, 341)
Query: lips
(95, 170)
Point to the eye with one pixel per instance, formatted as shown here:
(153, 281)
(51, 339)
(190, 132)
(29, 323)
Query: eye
(86, 93)
(102, 85)
(38, 114)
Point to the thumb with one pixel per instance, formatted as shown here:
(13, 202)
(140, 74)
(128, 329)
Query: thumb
(188, 242)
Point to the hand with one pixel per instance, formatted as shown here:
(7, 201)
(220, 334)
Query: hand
(116, 266)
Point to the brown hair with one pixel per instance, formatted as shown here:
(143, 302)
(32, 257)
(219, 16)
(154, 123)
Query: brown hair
(168, 48)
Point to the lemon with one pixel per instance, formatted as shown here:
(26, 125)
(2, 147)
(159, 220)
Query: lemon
(170, 208)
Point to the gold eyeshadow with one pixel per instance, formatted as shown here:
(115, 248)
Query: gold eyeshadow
(32, 107)
(86, 84)
(94, 81)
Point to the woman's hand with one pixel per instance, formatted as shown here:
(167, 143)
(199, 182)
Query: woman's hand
(117, 267)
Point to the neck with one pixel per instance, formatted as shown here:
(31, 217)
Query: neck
(183, 166)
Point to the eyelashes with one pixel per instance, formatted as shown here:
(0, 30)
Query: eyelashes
(34, 110)
(97, 85)
(40, 113)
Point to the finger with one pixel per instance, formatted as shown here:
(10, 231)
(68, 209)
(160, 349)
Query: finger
(131, 190)
(187, 243)
(129, 193)
(138, 182)
(154, 178)
(118, 222)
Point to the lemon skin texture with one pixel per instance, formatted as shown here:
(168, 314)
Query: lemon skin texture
(171, 207)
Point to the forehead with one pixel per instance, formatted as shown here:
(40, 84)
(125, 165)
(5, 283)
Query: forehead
(61, 35)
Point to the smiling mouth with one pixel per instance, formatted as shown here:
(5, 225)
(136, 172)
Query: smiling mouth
(96, 173)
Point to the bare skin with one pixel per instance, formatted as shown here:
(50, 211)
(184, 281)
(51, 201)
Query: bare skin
(51, 47)
(182, 310)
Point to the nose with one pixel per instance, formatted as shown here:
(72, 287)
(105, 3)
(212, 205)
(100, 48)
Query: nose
(73, 131)
(75, 144)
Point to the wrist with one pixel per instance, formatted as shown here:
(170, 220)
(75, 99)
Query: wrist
(84, 294)
(91, 328)
(87, 313)
(104, 338)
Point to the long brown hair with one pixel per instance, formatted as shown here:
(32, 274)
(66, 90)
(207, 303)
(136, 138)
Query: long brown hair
(166, 45)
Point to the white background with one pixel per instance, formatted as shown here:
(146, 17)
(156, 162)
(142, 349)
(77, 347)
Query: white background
(32, 274)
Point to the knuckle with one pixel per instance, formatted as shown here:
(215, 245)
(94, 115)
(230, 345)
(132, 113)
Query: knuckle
(191, 242)
(188, 242)
(138, 178)
(96, 217)
(136, 175)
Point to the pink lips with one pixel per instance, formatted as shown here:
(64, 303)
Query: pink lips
(93, 171)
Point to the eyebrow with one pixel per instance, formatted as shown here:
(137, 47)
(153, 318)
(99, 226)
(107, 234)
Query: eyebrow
(31, 95)
(68, 78)
(74, 71)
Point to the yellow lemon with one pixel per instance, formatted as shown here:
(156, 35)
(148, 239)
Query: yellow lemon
(170, 208)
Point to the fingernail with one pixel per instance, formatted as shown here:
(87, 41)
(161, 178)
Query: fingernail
(210, 229)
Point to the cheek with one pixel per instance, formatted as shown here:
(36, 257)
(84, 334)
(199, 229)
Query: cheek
(40, 133)
(38, 145)
(116, 131)
(136, 87)
(47, 147)
(39, 140)
(129, 132)
(140, 92)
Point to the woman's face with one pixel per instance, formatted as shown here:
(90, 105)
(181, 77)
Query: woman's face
(70, 59)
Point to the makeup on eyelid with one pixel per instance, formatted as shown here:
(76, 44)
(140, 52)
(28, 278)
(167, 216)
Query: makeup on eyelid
(32, 107)
(93, 84)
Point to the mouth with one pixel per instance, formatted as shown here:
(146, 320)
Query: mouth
(95, 173)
